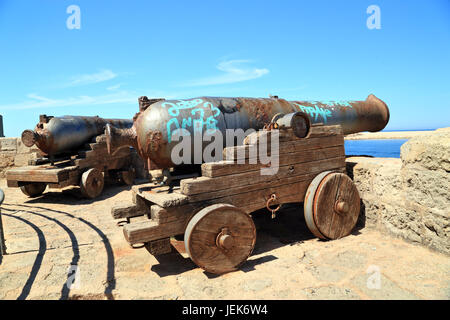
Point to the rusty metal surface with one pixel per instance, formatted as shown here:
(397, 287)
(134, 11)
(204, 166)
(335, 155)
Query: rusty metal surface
(157, 119)
(354, 116)
(55, 135)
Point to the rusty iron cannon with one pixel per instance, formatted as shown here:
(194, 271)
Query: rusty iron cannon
(57, 135)
(158, 119)
(209, 218)
(73, 152)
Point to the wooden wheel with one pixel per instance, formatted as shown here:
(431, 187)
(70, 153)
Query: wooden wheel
(331, 205)
(219, 238)
(128, 176)
(92, 183)
(33, 189)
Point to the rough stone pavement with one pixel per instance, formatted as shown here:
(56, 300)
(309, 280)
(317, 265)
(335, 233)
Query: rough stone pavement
(46, 235)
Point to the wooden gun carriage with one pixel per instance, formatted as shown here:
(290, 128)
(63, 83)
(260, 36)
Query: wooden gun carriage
(87, 169)
(213, 211)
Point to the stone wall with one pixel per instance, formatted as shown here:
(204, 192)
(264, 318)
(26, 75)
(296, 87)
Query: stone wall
(13, 153)
(409, 197)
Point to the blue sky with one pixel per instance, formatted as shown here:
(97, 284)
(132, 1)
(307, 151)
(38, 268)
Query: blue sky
(319, 50)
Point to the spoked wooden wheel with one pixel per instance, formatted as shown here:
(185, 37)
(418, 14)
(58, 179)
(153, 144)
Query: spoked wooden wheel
(331, 205)
(219, 238)
(33, 189)
(92, 183)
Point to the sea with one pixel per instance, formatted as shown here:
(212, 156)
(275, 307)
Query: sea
(385, 148)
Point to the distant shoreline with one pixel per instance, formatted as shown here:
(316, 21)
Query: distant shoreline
(386, 135)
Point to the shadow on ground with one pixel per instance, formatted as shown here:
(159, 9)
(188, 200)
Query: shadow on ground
(49, 215)
(287, 228)
(73, 196)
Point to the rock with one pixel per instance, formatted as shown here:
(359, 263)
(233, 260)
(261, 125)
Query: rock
(432, 152)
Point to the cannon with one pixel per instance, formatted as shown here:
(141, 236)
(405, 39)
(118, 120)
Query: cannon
(209, 217)
(73, 152)
(58, 135)
(158, 119)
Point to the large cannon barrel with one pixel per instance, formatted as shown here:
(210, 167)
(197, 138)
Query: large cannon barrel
(354, 116)
(155, 124)
(57, 135)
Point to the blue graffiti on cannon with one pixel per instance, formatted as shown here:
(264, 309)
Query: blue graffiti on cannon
(198, 107)
(341, 103)
(315, 111)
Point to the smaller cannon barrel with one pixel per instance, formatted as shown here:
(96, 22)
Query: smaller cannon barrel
(56, 135)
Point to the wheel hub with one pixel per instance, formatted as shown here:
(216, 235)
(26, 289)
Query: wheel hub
(341, 207)
(224, 240)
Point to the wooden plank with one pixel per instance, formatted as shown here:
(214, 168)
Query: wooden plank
(101, 162)
(12, 183)
(165, 215)
(263, 185)
(145, 231)
(164, 223)
(294, 192)
(40, 174)
(322, 131)
(103, 154)
(222, 168)
(140, 202)
(127, 210)
(162, 196)
(205, 184)
(250, 151)
(138, 207)
(256, 199)
(253, 201)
